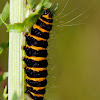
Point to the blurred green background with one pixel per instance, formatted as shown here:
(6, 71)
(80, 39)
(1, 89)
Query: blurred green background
(74, 52)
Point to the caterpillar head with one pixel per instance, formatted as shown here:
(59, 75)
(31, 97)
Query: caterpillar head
(47, 12)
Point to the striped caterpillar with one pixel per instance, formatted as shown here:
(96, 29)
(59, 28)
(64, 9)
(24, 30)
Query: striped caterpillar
(36, 54)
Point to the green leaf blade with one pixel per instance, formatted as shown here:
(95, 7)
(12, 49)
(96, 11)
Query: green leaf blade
(3, 76)
(5, 13)
(1, 50)
(3, 46)
(5, 95)
(31, 3)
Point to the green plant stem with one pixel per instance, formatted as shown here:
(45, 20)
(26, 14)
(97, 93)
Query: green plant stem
(16, 41)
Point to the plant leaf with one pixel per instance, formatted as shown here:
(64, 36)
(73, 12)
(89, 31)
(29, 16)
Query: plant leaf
(3, 46)
(55, 7)
(5, 13)
(3, 76)
(31, 3)
(26, 25)
(47, 4)
(33, 16)
(28, 22)
(1, 50)
(5, 95)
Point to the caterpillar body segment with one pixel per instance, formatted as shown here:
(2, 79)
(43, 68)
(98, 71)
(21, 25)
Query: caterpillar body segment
(36, 54)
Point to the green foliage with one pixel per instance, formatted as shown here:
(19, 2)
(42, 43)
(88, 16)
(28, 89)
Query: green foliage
(3, 76)
(20, 27)
(30, 20)
(3, 46)
(33, 16)
(31, 3)
(1, 50)
(5, 13)
(47, 4)
(54, 7)
(5, 95)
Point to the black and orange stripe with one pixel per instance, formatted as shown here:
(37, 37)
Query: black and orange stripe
(36, 54)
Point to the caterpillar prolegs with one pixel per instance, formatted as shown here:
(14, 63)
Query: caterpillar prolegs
(36, 54)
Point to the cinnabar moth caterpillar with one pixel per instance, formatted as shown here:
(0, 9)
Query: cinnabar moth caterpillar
(36, 54)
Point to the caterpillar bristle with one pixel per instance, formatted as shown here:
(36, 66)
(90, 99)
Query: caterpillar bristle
(36, 54)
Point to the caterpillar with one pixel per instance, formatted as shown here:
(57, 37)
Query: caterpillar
(36, 54)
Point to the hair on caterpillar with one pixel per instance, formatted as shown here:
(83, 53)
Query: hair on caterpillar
(62, 20)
